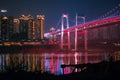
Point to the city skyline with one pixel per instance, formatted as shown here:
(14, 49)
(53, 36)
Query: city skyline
(54, 9)
(24, 28)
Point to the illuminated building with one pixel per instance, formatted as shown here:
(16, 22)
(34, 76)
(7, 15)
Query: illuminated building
(40, 26)
(0, 29)
(6, 28)
(53, 36)
(16, 26)
(26, 27)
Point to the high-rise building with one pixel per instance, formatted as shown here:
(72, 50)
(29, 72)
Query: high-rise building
(16, 26)
(26, 29)
(40, 26)
(6, 28)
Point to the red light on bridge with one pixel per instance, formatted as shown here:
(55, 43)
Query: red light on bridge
(65, 31)
(82, 32)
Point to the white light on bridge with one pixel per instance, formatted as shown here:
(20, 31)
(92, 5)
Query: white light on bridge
(65, 15)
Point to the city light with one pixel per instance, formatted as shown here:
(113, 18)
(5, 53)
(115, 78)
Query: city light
(21, 29)
(3, 11)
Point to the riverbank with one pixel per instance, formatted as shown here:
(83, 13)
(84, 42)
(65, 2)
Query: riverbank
(99, 71)
(54, 48)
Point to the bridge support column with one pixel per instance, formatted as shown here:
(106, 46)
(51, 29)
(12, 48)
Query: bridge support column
(69, 40)
(86, 57)
(76, 39)
(61, 39)
(62, 33)
(85, 46)
(85, 40)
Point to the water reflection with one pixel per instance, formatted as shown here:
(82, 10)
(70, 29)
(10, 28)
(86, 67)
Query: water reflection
(51, 62)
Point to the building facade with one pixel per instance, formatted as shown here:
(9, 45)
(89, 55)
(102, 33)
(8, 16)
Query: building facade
(26, 27)
(40, 26)
(16, 26)
(6, 28)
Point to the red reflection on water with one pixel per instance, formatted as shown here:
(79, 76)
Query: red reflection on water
(50, 62)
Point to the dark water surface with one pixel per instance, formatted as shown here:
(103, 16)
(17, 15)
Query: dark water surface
(51, 61)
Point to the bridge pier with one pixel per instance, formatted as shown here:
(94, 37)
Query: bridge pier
(61, 40)
(62, 31)
(62, 28)
(76, 39)
(69, 41)
(85, 40)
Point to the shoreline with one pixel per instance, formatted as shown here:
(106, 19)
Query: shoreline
(54, 48)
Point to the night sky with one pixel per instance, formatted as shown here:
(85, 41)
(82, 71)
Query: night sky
(53, 9)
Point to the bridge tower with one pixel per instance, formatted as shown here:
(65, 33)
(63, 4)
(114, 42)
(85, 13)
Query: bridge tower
(65, 17)
(84, 32)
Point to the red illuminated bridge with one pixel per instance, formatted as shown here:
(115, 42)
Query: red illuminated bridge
(109, 23)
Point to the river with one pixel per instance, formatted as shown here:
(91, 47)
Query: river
(51, 61)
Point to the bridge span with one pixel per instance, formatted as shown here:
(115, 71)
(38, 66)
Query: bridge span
(83, 29)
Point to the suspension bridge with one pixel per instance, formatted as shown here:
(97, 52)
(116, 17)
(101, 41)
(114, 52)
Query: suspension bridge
(108, 25)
